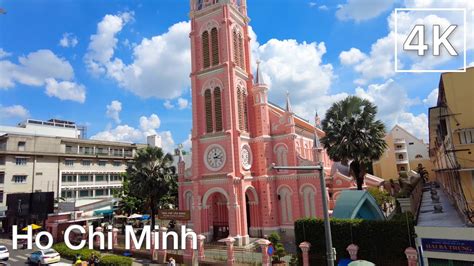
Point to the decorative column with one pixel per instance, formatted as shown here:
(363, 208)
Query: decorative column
(161, 250)
(154, 246)
(352, 249)
(412, 256)
(264, 246)
(115, 237)
(305, 249)
(200, 244)
(189, 255)
(97, 238)
(230, 250)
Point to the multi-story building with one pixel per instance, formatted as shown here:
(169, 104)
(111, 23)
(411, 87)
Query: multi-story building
(42, 158)
(451, 129)
(403, 154)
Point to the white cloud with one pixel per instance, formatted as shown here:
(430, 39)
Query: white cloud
(432, 98)
(415, 124)
(360, 10)
(160, 67)
(43, 68)
(68, 40)
(113, 111)
(168, 105)
(312, 4)
(147, 126)
(31, 69)
(187, 144)
(4, 53)
(351, 57)
(66, 90)
(14, 111)
(393, 112)
(323, 7)
(102, 44)
(150, 124)
(295, 67)
(182, 103)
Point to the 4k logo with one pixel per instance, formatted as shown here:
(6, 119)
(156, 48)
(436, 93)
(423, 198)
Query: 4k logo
(438, 39)
(430, 39)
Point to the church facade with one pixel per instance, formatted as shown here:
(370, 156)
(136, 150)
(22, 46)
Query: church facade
(229, 184)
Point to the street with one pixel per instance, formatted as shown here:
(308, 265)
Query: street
(20, 256)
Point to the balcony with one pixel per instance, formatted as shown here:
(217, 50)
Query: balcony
(399, 141)
(402, 161)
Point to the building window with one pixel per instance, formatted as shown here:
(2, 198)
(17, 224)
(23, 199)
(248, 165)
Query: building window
(68, 194)
(284, 195)
(208, 107)
(84, 178)
(115, 178)
(99, 178)
(418, 156)
(68, 178)
(1, 196)
(19, 179)
(309, 201)
(21, 145)
(117, 163)
(2, 160)
(100, 192)
(21, 161)
(400, 157)
(2, 177)
(69, 149)
(102, 163)
(206, 61)
(242, 109)
(84, 193)
(244, 102)
(86, 162)
(241, 52)
(69, 162)
(466, 136)
(218, 108)
(215, 47)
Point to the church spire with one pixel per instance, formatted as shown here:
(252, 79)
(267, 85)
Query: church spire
(317, 120)
(258, 75)
(288, 105)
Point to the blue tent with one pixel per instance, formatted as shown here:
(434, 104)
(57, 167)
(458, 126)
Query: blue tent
(357, 204)
(145, 217)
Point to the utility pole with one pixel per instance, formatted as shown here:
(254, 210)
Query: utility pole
(327, 224)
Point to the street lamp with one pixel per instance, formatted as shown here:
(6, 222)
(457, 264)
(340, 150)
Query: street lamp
(327, 224)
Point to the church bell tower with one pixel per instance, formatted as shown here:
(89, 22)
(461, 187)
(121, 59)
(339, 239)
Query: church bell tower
(221, 82)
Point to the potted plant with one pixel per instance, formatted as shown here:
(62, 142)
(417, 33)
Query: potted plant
(279, 250)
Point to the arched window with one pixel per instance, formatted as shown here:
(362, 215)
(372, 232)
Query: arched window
(418, 156)
(309, 201)
(400, 157)
(215, 47)
(282, 155)
(236, 47)
(239, 103)
(241, 52)
(188, 200)
(208, 106)
(218, 108)
(205, 50)
(285, 205)
(245, 112)
(199, 4)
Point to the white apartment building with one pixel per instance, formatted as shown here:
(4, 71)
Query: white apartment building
(73, 168)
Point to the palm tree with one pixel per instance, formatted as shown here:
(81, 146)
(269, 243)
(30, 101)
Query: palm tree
(353, 133)
(150, 176)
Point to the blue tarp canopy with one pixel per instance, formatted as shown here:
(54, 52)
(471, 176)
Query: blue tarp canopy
(103, 212)
(145, 217)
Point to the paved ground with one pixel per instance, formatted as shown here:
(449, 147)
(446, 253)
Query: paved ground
(19, 256)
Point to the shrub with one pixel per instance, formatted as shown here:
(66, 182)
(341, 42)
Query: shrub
(280, 251)
(381, 242)
(115, 260)
(85, 254)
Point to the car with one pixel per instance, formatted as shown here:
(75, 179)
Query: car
(4, 254)
(45, 256)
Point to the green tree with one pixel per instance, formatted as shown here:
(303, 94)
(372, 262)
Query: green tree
(279, 249)
(353, 133)
(421, 170)
(151, 178)
(128, 203)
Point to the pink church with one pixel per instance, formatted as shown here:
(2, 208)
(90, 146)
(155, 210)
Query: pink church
(229, 185)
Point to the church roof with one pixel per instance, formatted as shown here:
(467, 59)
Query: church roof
(357, 204)
(299, 121)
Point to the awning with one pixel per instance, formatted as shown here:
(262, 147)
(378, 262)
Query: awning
(103, 212)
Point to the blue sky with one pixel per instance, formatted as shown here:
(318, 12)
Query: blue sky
(78, 60)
